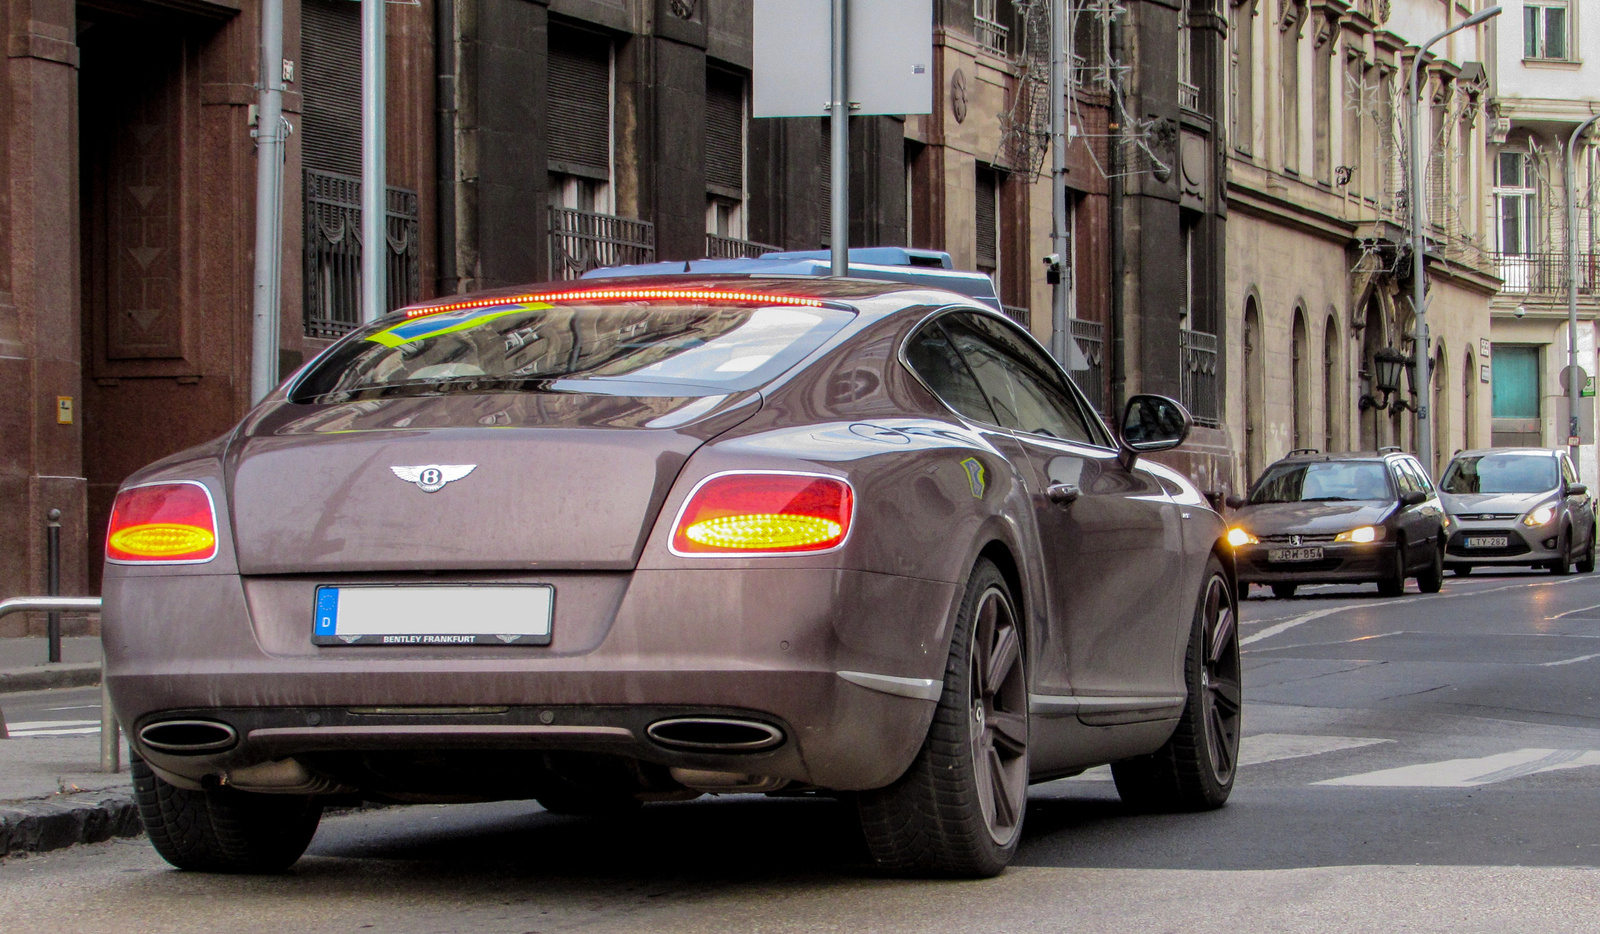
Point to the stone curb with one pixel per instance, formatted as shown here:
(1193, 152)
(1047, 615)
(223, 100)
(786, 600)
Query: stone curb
(44, 677)
(37, 826)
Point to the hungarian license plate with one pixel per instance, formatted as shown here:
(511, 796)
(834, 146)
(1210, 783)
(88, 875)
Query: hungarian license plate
(1488, 541)
(1276, 555)
(434, 615)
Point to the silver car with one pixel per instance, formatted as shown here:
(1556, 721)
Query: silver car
(1517, 506)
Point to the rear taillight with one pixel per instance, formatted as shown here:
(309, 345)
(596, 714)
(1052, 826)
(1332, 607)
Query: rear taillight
(163, 523)
(764, 513)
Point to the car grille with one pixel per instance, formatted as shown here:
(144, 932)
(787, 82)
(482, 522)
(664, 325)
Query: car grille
(1304, 539)
(1487, 516)
(1516, 547)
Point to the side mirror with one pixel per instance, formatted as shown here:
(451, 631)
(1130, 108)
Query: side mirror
(1577, 489)
(1413, 498)
(1152, 423)
(1235, 501)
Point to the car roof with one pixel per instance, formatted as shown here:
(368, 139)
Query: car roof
(1311, 457)
(1479, 452)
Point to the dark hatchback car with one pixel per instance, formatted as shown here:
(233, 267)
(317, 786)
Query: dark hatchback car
(1316, 518)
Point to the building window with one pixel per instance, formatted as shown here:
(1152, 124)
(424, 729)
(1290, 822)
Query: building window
(1241, 58)
(992, 34)
(1544, 30)
(1088, 44)
(988, 220)
(725, 154)
(581, 104)
(1331, 385)
(1515, 196)
(1188, 91)
(1299, 395)
(1289, 81)
(825, 188)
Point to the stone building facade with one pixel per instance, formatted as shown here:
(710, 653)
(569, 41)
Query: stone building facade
(1318, 278)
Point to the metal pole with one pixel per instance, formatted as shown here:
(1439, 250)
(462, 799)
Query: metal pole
(839, 115)
(374, 177)
(1574, 389)
(1419, 257)
(1060, 326)
(270, 131)
(52, 581)
(110, 732)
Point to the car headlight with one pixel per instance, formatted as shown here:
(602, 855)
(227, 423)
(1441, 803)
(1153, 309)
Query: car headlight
(1238, 536)
(1361, 536)
(1540, 516)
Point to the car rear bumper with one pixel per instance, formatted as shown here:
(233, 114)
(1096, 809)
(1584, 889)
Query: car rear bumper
(631, 650)
(1341, 563)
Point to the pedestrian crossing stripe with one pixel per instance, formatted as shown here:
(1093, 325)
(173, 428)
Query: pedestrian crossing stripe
(1469, 773)
(1271, 747)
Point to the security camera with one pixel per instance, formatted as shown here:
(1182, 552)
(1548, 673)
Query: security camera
(1521, 310)
(1054, 259)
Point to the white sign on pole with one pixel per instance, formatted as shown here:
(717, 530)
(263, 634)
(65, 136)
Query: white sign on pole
(890, 57)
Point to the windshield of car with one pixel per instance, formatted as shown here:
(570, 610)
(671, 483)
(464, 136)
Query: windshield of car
(637, 347)
(1323, 481)
(1501, 473)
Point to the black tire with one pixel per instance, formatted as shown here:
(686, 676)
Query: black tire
(223, 830)
(1284, 591)
(958, 810)
(1586, 562)
(1461, 570)
(1431, 578)
(1562, 566)
(1194, 770)
(1393, 584)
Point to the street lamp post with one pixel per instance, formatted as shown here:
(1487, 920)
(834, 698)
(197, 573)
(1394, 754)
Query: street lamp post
(1419, 258)
(1574, 385)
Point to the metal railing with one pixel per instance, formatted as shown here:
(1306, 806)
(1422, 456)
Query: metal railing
(1545, 273)
(719, 247)
(992, 37)
(333, 252)
(1197, 377)
(110, 732)
(582, 240)
(1021, 316)
(1091, 343)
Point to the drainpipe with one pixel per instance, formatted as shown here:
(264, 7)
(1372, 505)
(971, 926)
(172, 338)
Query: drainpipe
(444, 54)
(1114, 210)
(270, 133)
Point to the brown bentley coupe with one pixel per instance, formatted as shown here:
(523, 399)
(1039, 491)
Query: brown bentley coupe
(599, 545)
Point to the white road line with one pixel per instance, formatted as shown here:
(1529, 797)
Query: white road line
(49, 724)
(1568, 661)
(79, 707)
(1269, 747)
(1580, 609)
(1469, 773)
(1289, 624)
(74, 731)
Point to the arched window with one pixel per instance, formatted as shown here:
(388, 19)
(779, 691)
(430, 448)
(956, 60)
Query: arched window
(1469, 401)
(1253, 436)
(1299, 390)
(1440, 413)
(1332, 387)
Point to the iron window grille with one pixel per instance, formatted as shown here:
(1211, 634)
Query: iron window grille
(333, 252)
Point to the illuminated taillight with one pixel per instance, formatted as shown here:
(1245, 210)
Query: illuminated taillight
(165, 523)
(764, 513)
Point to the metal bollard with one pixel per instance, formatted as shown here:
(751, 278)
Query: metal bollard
(110, 732)
(52, 580)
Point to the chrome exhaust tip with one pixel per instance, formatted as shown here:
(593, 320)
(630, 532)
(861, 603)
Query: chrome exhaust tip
(188, 737)
(715, 734)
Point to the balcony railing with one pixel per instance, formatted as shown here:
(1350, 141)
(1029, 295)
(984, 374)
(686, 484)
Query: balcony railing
(1197, 376)
(1021, 316)
(992, 37)
(719, 247)
(1089, 336)
(333, 252)
(1545, 273)
(1188, 96)
(581, 241)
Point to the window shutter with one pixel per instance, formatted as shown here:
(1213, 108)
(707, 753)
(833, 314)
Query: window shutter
(725, 134)
(825, 200)
(330, 80)
(988, 181)
(580, 103)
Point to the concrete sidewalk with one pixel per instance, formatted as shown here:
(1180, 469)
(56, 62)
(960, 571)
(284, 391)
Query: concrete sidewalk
(23, 666)
(51, 794)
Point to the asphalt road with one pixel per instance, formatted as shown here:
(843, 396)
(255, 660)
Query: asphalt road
(1427, 763)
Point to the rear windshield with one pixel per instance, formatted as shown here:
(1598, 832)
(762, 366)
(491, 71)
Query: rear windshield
(1325, 481)
(633, 348)
(1500, 473)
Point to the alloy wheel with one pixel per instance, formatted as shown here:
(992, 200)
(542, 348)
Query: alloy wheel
(999, 713)
(1221, 685)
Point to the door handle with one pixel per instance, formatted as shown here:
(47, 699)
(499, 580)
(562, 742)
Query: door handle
(1062, 494)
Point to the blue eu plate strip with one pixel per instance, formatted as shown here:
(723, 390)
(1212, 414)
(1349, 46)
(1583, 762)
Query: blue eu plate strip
(327, 611)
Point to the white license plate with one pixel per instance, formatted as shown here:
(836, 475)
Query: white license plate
(1294, 554)
(1488, 541)
(434, 615)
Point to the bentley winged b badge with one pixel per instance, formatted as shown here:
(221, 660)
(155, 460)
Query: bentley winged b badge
(431, 478)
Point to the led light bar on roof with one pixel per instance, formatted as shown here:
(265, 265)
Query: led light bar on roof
(602, 295)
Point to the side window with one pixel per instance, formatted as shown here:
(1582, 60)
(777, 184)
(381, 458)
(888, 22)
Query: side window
(1403, 475)
(1424, 482)
(1042, 404)
(1567, 471)
(936, 361)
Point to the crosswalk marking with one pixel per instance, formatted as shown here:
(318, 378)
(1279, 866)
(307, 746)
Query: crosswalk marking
(1269, 747)
(1468, 773)
(26, 728)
